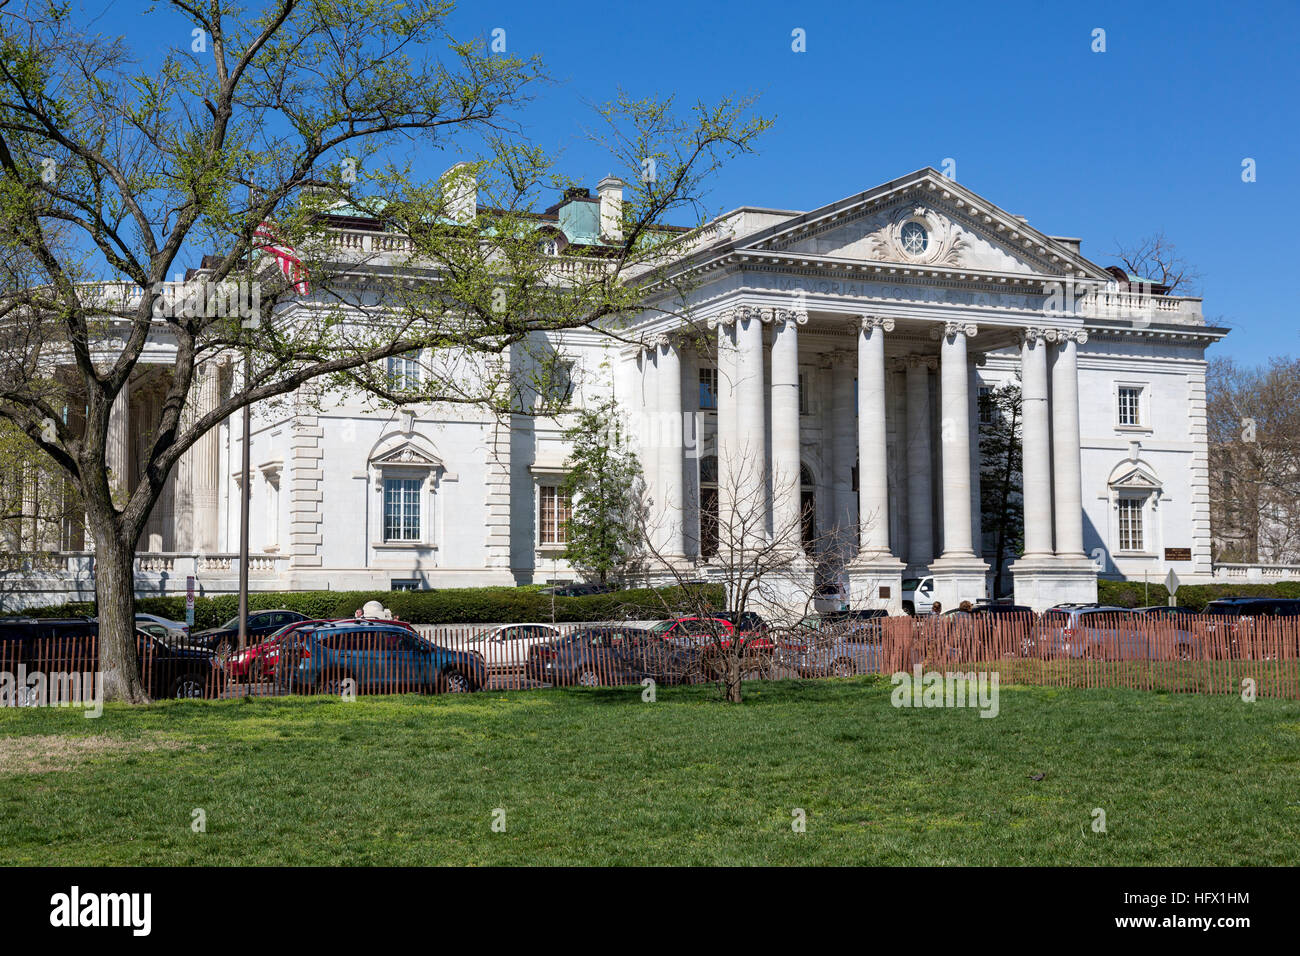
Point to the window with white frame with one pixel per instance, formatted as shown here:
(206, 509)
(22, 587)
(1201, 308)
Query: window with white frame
(404, 372)
(402, 509)
(1130, 524)
(708, 388)
(1129, 399)
(553, 513)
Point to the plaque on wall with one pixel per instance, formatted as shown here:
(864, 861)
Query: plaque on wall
(1178, 554)
(884, 592)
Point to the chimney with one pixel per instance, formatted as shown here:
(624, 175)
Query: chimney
(460, 193)
(610, 190)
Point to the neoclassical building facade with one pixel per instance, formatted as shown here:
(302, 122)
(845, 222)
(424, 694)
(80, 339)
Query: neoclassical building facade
(811, 373)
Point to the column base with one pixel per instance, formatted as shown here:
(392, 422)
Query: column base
(1048, 580)
(959, 578)
(875, 581)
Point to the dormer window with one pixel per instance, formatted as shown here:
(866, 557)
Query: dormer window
(549, 247)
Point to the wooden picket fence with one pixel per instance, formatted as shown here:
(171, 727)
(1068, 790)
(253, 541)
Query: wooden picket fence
(1187, 654)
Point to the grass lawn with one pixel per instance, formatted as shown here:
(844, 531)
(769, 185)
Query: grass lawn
(598, 776)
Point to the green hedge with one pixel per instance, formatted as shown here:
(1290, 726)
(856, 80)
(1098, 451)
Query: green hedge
(448, 606)
(1193, 596)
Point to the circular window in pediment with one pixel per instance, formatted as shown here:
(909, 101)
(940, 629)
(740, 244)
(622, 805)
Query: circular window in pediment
(913, 238)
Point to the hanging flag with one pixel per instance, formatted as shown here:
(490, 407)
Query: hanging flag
(289, 263)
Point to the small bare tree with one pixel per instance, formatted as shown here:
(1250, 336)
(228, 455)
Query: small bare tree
(1156, 258)
(765, 565)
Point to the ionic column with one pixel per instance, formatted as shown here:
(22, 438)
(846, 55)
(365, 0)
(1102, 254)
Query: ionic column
(920, 531)
(668, 372)
(118, 448)
(844, 451)
(873, 473)
(786, 458)
(725, 324)
(1037, 443)
(206, 467)
(954, 429)
(1065, 445)
(750, 507)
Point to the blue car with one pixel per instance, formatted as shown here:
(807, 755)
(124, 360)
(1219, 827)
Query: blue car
(379, 658)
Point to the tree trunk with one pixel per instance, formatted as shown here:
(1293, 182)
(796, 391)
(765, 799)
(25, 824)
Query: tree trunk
(731, 685)
(115, 596)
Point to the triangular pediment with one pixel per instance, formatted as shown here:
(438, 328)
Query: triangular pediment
(1137, 479)
(407, 453)
(925, 221)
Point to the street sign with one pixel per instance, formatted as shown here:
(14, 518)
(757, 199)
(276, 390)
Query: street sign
(189, 599)
(1171, 585)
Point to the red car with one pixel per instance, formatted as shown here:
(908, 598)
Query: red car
(701, 631)
(258, 661)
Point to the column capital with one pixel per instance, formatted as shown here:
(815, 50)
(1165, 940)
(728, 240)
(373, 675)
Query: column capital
(968, 329)
(789, 317)
(869, 323)
(723, 318)
(1058, 336)
(917, 360)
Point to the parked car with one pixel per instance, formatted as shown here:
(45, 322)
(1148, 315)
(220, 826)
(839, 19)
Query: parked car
(1241, 614)
(918, 595)
(224, 639)
(379, 656)
(258, 661)
(1102, 632)
(173, 632)
(67, 645)
(836, 651)
(506, 647)
(747, 622)
(1248, 608)
(611, 654)
(867, 621)
(1164, 610)
(710, 632)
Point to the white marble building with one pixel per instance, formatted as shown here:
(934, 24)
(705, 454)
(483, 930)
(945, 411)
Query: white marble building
(846, 345)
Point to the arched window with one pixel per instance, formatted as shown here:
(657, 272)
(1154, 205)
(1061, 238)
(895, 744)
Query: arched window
(708, 506)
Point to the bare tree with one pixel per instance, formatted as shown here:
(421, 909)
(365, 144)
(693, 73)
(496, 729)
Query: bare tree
(764, 566)
(1253, 425)
(1157, 259)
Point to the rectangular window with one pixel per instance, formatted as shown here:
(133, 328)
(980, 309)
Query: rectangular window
(708, 388)
(553, 515)
(1130, 405)
(1130, 524)
(986, 405)
(404, 372)
(404, 584)
(803, 395)
(402, 509)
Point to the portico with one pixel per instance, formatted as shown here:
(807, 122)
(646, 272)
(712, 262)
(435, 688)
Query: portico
(874, 445)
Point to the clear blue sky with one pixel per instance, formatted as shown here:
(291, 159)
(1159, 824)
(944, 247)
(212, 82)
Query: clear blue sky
(1110, 147)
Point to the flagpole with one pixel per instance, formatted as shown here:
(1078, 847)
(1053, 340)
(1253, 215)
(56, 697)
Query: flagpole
(246, 470)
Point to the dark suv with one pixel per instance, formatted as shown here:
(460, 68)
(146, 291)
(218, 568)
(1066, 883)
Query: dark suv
(1252, 607)
(70, 645)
